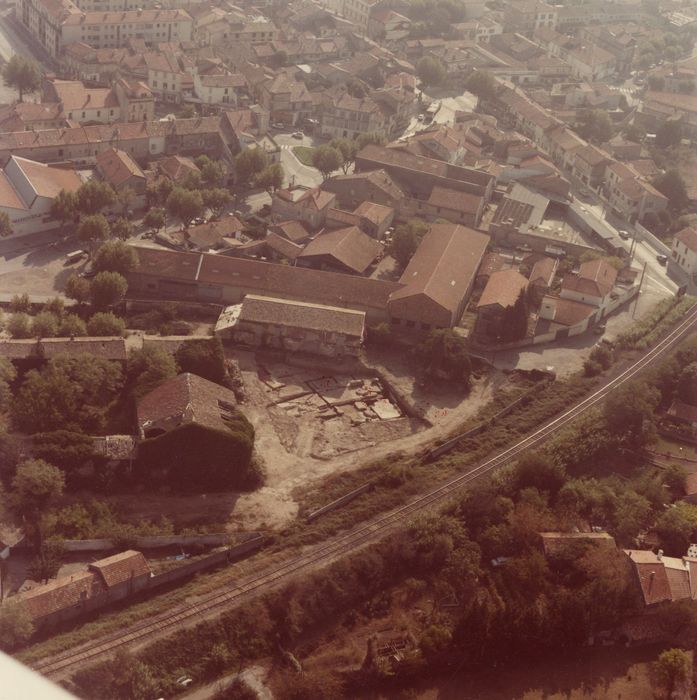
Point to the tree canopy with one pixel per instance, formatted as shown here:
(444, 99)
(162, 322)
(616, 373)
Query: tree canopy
(94, 196)
(115, 256)
(595, 126)
(326, 159)
(203, 357)
(184, 204)
(107, 289)
(431, 71)
(406, 239)
(70, 393)
(93, 228)
(444, 355)
(672, 186)
(105, 324)
(21, 74)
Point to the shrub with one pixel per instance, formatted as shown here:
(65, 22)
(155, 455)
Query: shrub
(106, 324)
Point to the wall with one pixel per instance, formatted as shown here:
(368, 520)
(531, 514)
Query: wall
(514, 238)
(152, 542)
(643, 234)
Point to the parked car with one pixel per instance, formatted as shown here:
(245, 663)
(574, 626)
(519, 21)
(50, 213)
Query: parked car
(278, 125)
(297, 135)
(624, 235)
(184, 681)
(420, 118)
(75, 256)
(663, 259)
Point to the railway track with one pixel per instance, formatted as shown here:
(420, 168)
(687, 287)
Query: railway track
(352, 540)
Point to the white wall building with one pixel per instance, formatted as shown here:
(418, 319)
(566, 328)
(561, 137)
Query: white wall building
(684, 251)
(28, 188)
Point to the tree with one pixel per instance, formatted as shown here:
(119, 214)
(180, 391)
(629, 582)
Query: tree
(629, 413)
(431, 71)
(348, 150)
(126, 197)
(94, 196)
(16, 626)
(216, 199)
(115, 256)
(122, 229)
(676, 528)
(687, 384)
(192, 181)
(72, 326)
(204, 358)
(105, 324)
(7, 375)
(514, 320)
(21, 74)
(669, 133)
(155, 219)
(55, 306)
(595, 126)
(672, 186)
(20, 303)
(36, 484)
(248, 163)
(69, 392)
(370, 137)
(536, 470)
(326, 159)
(158, 191)
(93, 228)
(671, 669)
(64, 206)
(444, 354)
(148, 368)
(107, 289)
(45, 325)
(184, 205)
(271, 177)
(481, 83)
(406, 240)
(212, 171)
(434, 641)
(47, 562)
(5, 225)
(19, 326)
(77, 288)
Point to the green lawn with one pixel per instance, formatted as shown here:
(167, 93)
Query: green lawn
(304, 154)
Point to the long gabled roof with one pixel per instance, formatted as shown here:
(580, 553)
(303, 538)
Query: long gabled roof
(444, 265)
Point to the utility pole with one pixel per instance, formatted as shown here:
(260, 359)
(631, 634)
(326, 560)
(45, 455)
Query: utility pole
(641, 282)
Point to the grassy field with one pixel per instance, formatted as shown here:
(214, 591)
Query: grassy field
(304, 154)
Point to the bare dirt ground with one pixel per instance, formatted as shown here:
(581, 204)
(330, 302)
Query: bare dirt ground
(289, 444)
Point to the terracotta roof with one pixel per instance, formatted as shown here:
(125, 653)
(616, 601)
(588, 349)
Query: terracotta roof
(176, 167)
(444, 265)
(212, 232)
(348, 246)
(129, 17)
(503, 288)
(492, 262)
(117, 167)
(186, 398)
(455, 201)
(74, 96)
(653, 580)
(378, 178)
(688, 237)
(9, 196)
(595, 278)
(294, 231)
(552, 542)
(375, 213)
(311, 198)
(297, 314)
(48, 181)
(283, 246)
(543, 271)
(121, 567)
(107, 348)
(269, 279)
(681, 411)
(568, 312)
(60, 594)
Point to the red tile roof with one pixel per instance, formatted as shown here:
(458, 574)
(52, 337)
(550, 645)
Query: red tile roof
(503, 288)
(121, 567)
(348, 246)
(688, 236)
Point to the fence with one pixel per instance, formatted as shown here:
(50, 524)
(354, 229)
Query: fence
(149, 542)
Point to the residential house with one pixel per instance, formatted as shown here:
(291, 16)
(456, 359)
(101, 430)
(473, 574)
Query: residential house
(419, 175)
(122, 172)
(439, 278)
(309, 206)
(541, 277)
(31, 116)
(343, 250)
(176, 168)
(663, 579)
(293, 231)
(374, 186)
(501, 292)
(104, 582)
(295, 326)
(27, 190)
(592, 285)
(169, 75)
(684, 251)
(526, 16)
(286, 100)
(683, 414)
(345, 116)
(589, 164)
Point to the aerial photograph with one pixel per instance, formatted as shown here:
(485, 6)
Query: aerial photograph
(348, 349)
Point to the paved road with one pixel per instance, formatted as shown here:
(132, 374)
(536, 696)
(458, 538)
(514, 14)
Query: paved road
(296, 172)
